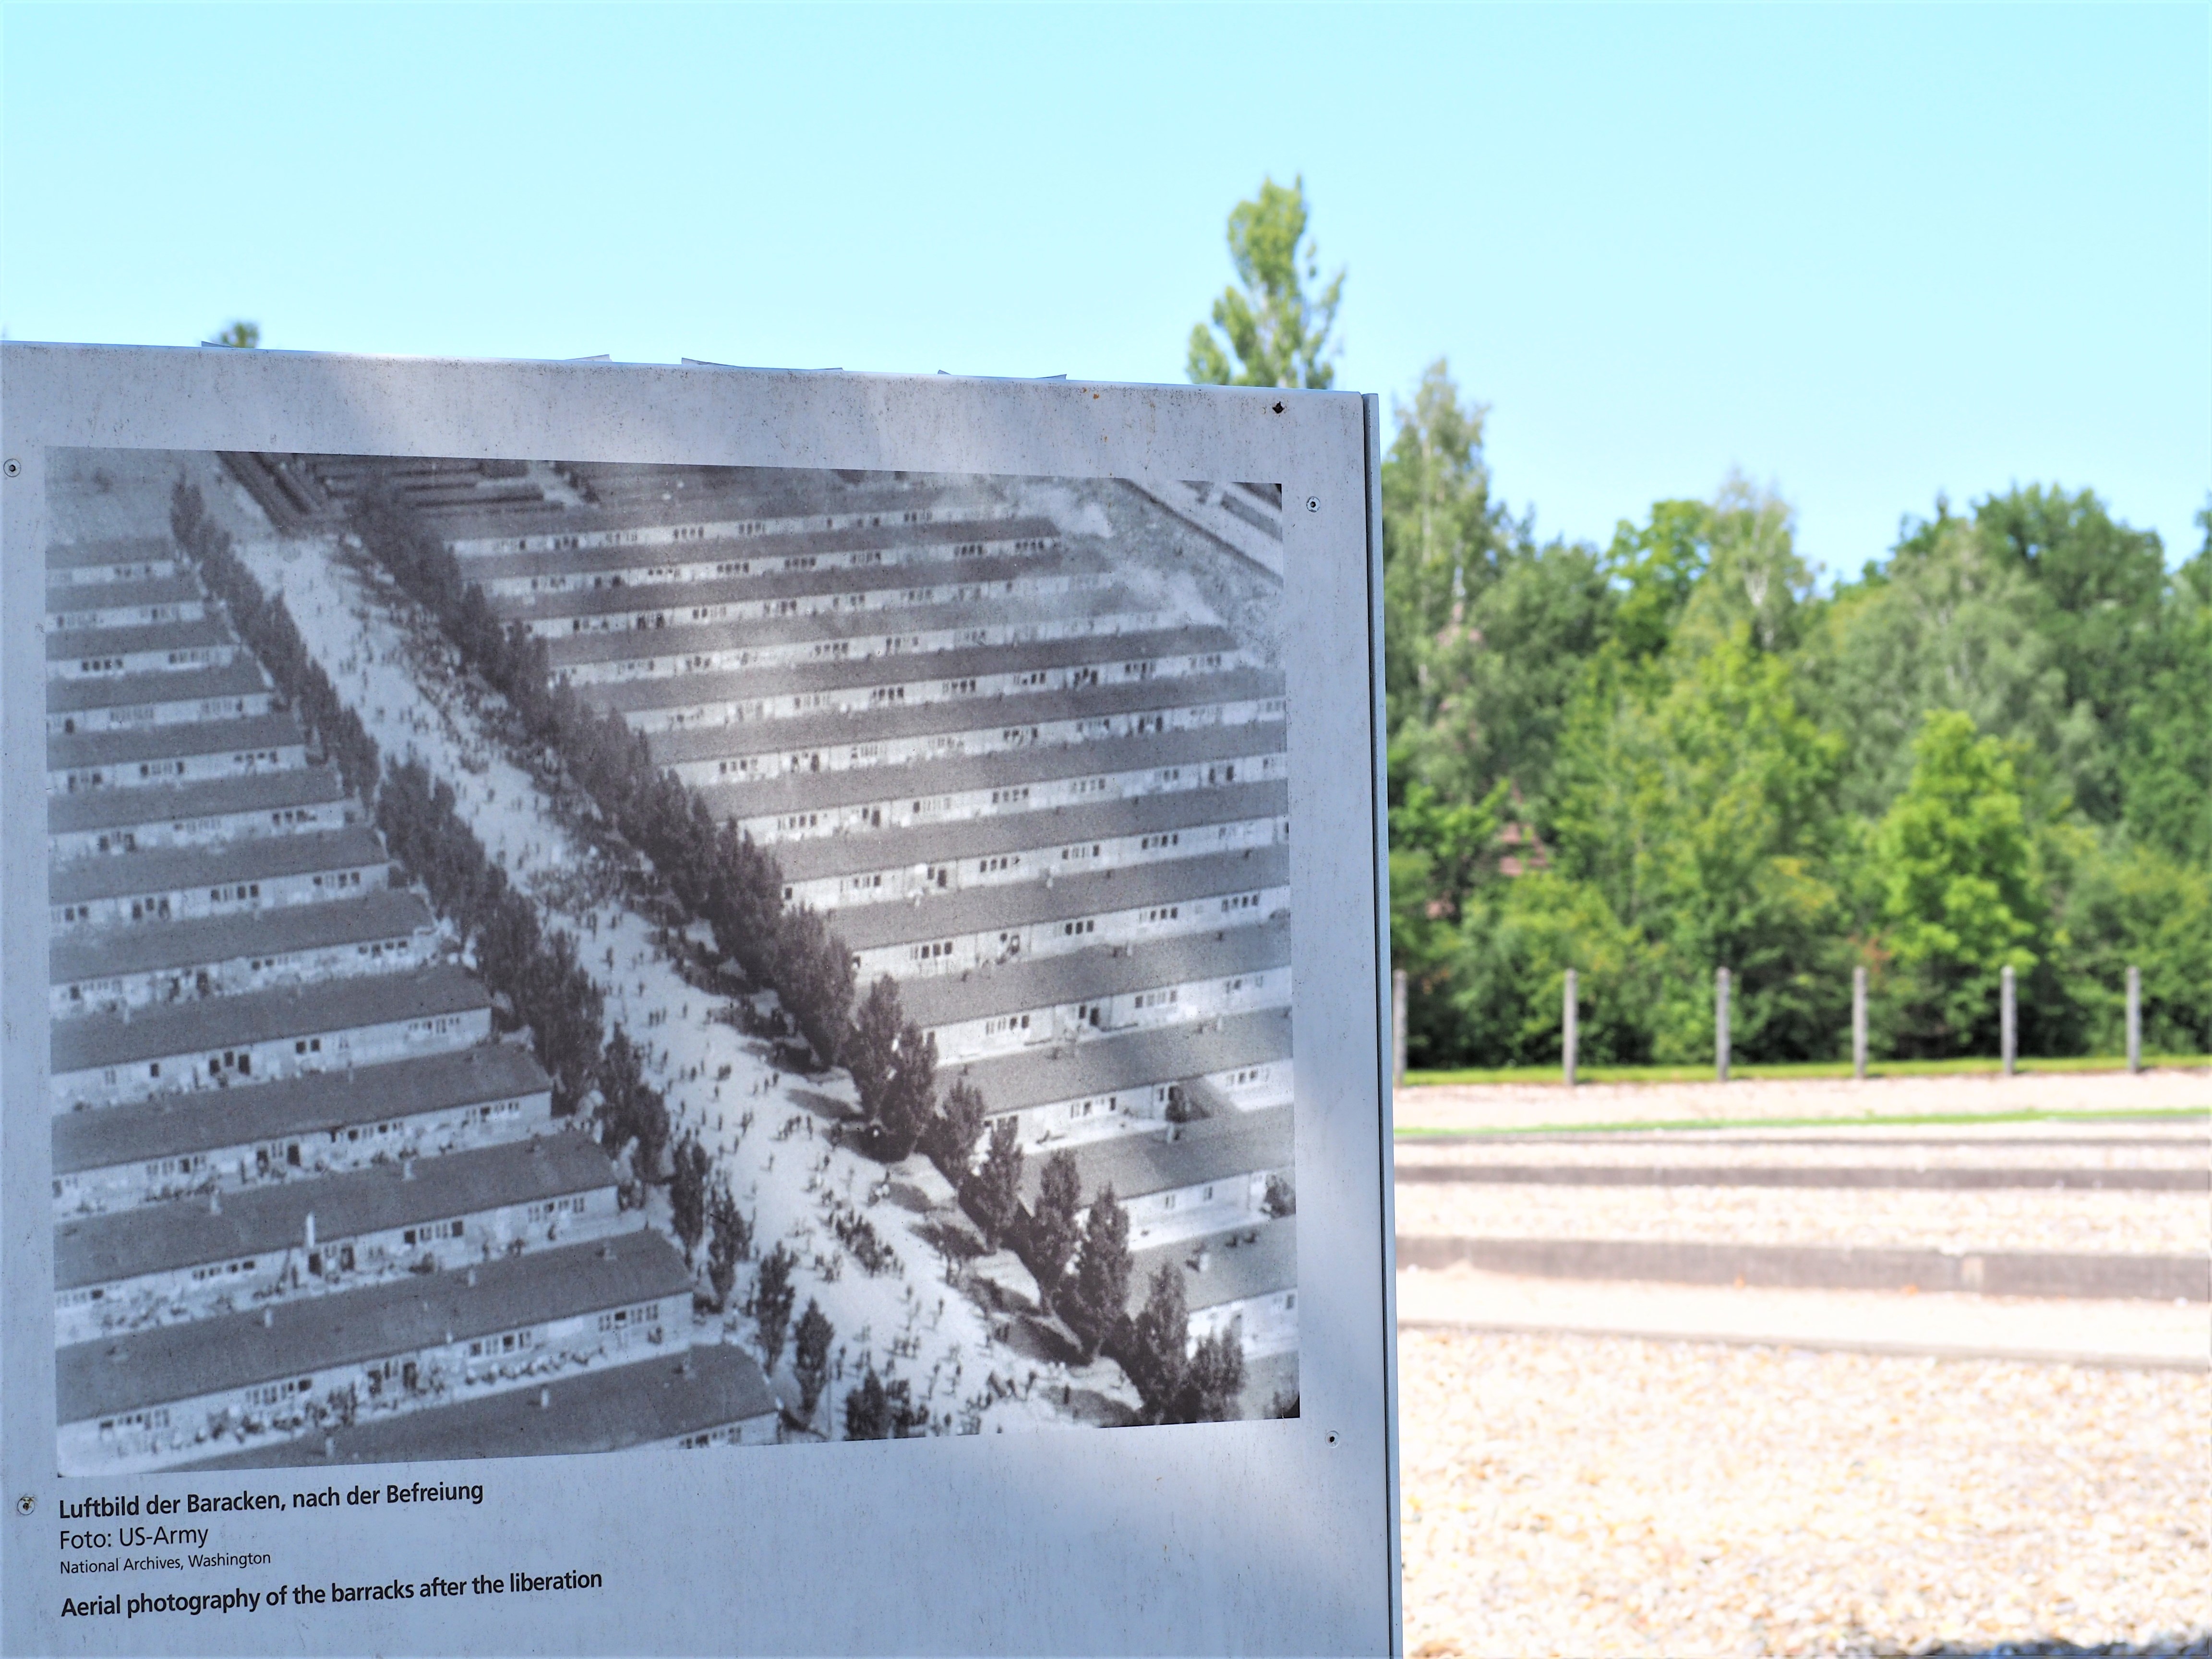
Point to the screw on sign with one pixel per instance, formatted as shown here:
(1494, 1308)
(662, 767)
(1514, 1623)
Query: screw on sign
(1313, 503)
(14, 467)
(25, 1504)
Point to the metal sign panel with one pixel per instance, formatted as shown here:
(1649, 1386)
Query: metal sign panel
(640, 997)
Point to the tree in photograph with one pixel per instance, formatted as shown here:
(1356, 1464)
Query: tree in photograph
(1212, 1377)
(811, 1358)
(565, 1010)
(730, 1241)
(868, 1410)
(622, 1083)
(507, 934)
(1180, 1381)
(814, 977)
(1282, 1196)
(909, 1096)
(1278, 329)
(1054, 1227)
(870, 1048)
(688, 1194)
(744, 902)
(1153, 1345)
(994, 1192)
(951, 1139)
(239, 333)
(772, 1298)
(1093, 1306)
(880, 1410)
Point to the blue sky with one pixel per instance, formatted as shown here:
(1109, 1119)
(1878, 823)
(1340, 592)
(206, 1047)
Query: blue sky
(1862, 255)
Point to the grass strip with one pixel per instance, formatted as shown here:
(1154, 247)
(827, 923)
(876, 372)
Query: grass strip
(1816, 1068)
(1868, 1120)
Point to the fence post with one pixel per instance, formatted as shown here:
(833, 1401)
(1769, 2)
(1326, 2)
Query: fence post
(1567, 1028)
(1398, 1030)
(2008, 1021)
(1858, 1022)
(1721, 1023)
(2134, 1019)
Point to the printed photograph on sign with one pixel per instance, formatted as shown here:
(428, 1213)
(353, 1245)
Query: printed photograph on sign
(555, 956)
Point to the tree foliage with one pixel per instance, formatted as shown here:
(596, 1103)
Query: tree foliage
(877, 1410)
(688, 1194)
(772, 1300)
(811, 1357)
(730, 1241)
(1180, 1381)
(1678, 754)
(1055, 1224)
(1275, 321)
(1093, 1306)
(994, 1193)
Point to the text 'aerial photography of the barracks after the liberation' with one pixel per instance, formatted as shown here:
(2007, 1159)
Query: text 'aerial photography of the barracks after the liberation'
(553, 957)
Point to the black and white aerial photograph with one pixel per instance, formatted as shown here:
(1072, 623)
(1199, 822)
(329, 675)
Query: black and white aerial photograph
(552, 957)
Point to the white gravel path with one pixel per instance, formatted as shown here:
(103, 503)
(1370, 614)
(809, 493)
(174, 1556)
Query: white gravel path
(1528, 1106)
(2129, 1224)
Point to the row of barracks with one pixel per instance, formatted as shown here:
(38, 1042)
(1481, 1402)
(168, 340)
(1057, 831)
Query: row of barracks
(1024, 782)
(309, 1204)
(1027, 784)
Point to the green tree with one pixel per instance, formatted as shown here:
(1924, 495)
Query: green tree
(241, 334)
(1945, 624)
(1442, 535)
(1961, 896)
(1699, 799)
(2098, 590)
(2165, 767)
(1277, 328)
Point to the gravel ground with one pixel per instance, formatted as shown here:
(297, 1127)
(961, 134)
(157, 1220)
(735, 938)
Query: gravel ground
(1528, 1105)
(2132, 1224)
(2136, 1146)
(1585, 1496)
(2117, 1330)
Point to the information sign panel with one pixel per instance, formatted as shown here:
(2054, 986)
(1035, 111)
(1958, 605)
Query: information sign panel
(636, 993)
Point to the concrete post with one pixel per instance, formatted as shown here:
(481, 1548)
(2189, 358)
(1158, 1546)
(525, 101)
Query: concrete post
(1858, 1022)
(1398, 1029)
(1721, 1023)
(2008, 1021)
(2134, 1018)
(1567, 1028)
